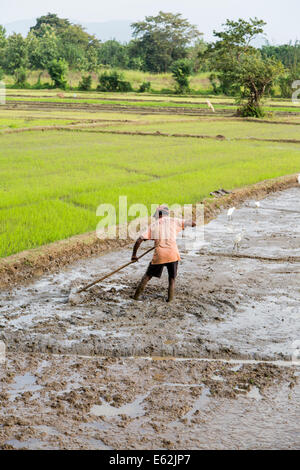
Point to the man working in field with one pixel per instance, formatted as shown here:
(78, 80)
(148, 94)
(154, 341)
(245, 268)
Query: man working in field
(163, 231)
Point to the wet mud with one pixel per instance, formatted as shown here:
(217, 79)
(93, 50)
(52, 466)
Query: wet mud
(65, 402)
(227, 303)
(214, 369)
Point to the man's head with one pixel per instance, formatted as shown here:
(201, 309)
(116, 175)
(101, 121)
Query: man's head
(161, 211)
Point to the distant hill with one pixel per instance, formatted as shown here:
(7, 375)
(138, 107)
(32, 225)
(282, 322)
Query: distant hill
(119, 30)
(21, 26)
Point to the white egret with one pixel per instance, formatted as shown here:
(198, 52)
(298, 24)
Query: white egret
(230, 212)
(298, 179)
(238, 240)
(257, 204)
(210, 106)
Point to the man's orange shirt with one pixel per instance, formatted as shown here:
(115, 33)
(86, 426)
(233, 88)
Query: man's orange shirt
(164, 232)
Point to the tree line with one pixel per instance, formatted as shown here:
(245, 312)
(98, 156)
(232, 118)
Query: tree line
(166, 42)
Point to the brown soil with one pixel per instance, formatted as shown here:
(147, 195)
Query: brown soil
(49, 402)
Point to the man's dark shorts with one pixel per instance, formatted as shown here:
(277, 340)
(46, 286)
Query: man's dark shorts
(155, 270)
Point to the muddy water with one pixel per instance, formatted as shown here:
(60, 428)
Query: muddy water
(225, 306)
(140, 403)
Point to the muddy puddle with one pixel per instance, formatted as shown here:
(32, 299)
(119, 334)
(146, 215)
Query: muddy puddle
(140, 403)
(225, 306)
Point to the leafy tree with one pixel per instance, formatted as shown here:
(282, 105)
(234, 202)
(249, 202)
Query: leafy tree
(15, 53)
(3, 42)
(233, 42)
(52, 20)
(181, 70)
(241, 68)
(72, 43)
(113, 81)
(57, 70)
(286, 81)
(114, 54)
(288, 54)
(163, 39)
(255, 77)
(197, 56)
(42, 50)
(2, 37)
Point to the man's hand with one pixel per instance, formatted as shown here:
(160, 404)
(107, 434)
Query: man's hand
(134, 258)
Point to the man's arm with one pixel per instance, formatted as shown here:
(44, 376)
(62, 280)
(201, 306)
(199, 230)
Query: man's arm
(136, 247)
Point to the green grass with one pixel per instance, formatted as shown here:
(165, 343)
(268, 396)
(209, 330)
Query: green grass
(229, 129)
(199, 82)
(30, 122)
(52, 183)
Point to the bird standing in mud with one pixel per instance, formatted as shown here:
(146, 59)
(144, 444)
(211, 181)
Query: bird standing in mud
(230, 213)
(163, 231)
(210, 106)
(238, 240)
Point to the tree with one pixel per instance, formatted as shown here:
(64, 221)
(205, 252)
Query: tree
(241, 68)
(233, 42)
(16, 55)
(114, 54)
(163, 39)
(255, 76)
(57, 70)
(51, 19)
(3, 42)
(72, 43)
(181, 70)
(42, 50)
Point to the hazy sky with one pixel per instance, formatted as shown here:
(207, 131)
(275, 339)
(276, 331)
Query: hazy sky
(282, 16)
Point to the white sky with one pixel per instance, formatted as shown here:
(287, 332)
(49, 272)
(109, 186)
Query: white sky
(282, 16)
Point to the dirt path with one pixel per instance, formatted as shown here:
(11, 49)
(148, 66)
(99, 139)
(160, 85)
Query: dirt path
(58, 391)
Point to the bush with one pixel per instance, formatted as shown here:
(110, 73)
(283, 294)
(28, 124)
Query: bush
(248, 110)
(145, 86)
(21, 77)
(86, 83)
(181, 70)
(57, 70)
(113, 81)
(1, 73)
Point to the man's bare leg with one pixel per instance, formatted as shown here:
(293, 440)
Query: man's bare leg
(141, 286)
(171, 290)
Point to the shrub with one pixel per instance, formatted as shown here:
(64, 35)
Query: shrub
(21, 77)
(145, 86)
(250, 110)
(181, 70)
(57, 70)
(113, 81)
(86, 83)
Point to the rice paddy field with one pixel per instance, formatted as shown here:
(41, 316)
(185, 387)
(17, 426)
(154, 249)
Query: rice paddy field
(63, 156)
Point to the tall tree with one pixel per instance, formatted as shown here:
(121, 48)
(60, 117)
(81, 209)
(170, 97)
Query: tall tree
(3, 41)
(51, 19)
(163, 39)
(241, 68)
(227, 50)
(16, 55)
(42, 50)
